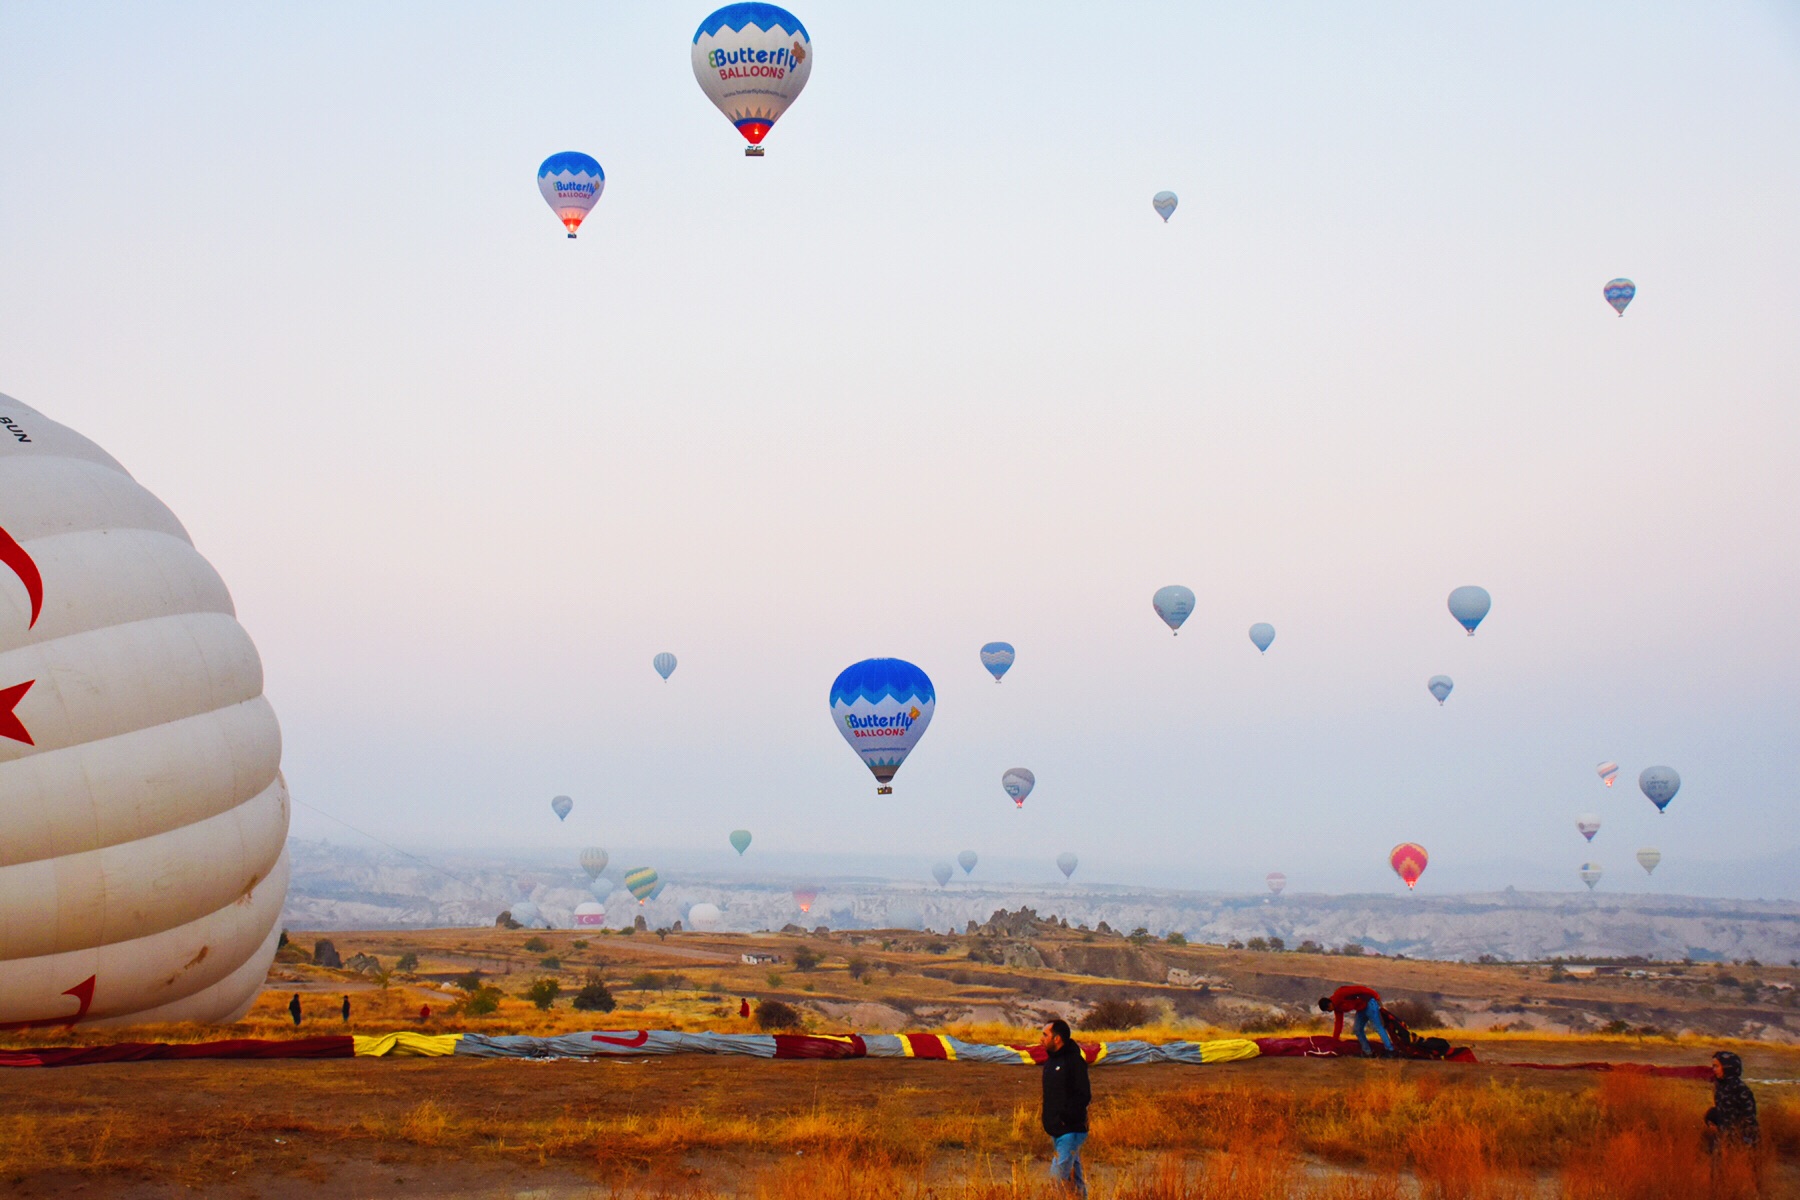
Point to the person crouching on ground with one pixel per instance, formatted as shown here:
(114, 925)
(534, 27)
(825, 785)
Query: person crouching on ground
(1066, 1097)
(1365, 1003)
(1732, 1118)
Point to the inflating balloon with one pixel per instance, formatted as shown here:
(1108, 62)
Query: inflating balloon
(1408, 860)
(1468, 605)
(1276, 881)
(641, 883)
(997, 657)
(941, 872)
(1606, 772)
(562, 806)
(967, 860)
(1173, 604)
(1262, 635)
(1066, 863)
(752, 60)
(804, 897)
(1440, 686)
(740, 841)
(590, 913)
(1591, 873)
(1648, 857)
(1018, 783)
(882, 706)
(1588, 824)
(527, 914)
(1660, 784)
(705, 917)
(593, 861)
(571, 183)
(1618, 293)
(143, 865)
(1164, 203)
(664, 664)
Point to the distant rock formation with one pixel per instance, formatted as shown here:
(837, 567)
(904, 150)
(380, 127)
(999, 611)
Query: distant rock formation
(363, 964)
(325, 954)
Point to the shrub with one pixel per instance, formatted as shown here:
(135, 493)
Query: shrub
(806, 958)
(645, 982)
(1117, 1014)
(773, 1014)
(543, 993)
(1417, 1014)
(1139, 936)
(1277, 944)
(1176, 938)
(536, 945)
(468, 981)
(774, 978)
(859, 966)
(1558, 973)
(594, 995)
(1257, 943)
(578, 944)
(1352, 949)
(478, 1003)
(550, 963)
(1309, 947)
(407, 962)
(1264, 1023)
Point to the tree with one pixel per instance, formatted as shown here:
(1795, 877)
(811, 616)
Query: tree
(1257, 943)
(407, 962)
(1309, 947)
(594, 995)
(806, 958)
(858, 966)
(1277, 944)
(773, 1014)
(536, 945)
(1139, 936)
(543, 993)
(550, 963)
(1176, 938)
(1116, 1015)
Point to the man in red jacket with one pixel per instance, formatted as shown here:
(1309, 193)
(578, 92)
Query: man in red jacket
(1365, 1004)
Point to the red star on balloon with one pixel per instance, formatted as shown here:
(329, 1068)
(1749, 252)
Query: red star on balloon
(10, 725)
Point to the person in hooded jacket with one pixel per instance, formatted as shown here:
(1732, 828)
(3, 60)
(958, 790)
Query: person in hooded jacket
(1066, 1097)
(1732, 1118)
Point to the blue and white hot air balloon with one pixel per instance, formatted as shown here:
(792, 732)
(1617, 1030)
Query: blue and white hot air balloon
(1164, 203)
(1469, 604)
(1018, 782)
(1439, 686)
(1262, 635)
(562, 806)
(664, 664)
(997, 657)
(967, 860)
(1659, 784)
(571, 183)
(1619, 293)
(1173, 604)
(752, 60)
(882, 707)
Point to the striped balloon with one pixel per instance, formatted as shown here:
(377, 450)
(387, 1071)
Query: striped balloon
(997, 657)
(641, 883)
(664, 664)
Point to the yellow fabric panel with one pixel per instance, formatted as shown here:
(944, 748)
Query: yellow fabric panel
(403, 1043)
(1228, 1050)
(1100, 1054)
(949, 1050)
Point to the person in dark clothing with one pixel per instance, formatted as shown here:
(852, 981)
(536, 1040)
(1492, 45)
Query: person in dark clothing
(294, 1008)
(1365, 1004)
(346, 1010)
(1066, 1097)
(1732, 1118)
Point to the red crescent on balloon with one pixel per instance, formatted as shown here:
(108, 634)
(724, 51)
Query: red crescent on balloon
(14, 556)
(84, 999)
(640, 1038)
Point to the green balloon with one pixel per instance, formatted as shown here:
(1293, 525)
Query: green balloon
(740, 840)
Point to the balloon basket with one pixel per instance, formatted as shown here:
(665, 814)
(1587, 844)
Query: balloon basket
(884, 791)
(753, 151)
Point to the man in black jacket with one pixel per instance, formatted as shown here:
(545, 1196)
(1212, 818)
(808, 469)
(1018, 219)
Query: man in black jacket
(1066, 1097)
(1732, 1118)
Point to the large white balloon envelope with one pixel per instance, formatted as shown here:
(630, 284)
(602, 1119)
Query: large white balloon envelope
(882, 706)
(143, 866)
(752, 60)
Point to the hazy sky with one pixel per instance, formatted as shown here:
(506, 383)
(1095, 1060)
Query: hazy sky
(933, 373)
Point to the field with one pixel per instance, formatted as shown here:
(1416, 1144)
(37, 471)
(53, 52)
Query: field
(694, 1126)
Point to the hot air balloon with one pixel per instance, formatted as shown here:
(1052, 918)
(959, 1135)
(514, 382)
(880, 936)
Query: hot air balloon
(600, 889)
(593, 861)
(1468, 605)
(804, 897)
(1440, 686)
(1660, 784)
(1018, 783)
(1648, 857)
(997, 657)
(1618, 293)
(144, 862)
(1408, 860)
(1590, 874)
(705, 916)
(1276, 881)
(589, 913)
(1588, 824)
(664, 664)
(1164, 203)
(740, 841)
(1262, 635)
(752, 60)
(882, 706)
(571, 183)
(658, 889)
(642, 883)
(1066, 863)
(526, 884)
(1173, 604)
(528, 914)
(967, 860)
(941, 872)
(1606, 771)
(561, 806)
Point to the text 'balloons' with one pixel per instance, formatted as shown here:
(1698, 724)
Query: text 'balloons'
(1164, 203)
(664, 664)
(752, 60)
(1440, 686)
(1659, 784)
(882, 707)
(1174, 604)
(1469, 604)
(1409, 861)
(1618, 293)
(1018, 783)
(1262, 635)
(997, 657)
(571, 183)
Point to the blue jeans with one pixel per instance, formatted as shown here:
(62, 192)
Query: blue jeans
(1067, 1164)
(1367, 1016)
